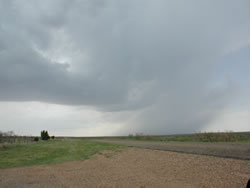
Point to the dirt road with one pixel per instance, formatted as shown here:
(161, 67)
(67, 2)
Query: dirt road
(225, 150)
(133, 168)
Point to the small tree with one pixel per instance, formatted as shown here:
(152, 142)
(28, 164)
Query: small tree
(44, 135)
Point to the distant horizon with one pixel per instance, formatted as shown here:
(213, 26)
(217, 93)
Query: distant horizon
(139, 134)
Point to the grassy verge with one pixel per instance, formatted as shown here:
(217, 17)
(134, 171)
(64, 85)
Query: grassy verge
(51, 152)
(209, 137)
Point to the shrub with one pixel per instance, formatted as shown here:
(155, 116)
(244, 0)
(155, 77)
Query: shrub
(130, 135)
(44, 135)
(138, 136)
(52, 137)
(36, 139)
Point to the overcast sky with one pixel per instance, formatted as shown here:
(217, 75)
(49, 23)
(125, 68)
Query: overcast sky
(114, 67)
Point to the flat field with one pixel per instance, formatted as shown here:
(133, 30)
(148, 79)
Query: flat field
(62, 163)
(234, 150)
(50, 152)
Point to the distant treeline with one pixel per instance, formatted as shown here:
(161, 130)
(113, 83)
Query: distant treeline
(10, 137)
(197, 137)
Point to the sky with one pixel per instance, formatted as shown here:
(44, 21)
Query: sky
(114, 67)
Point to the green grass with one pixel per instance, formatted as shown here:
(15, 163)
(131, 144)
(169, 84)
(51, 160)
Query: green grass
(51, 152)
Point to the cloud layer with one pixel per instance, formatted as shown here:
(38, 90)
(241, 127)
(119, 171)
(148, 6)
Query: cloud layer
(155, 61)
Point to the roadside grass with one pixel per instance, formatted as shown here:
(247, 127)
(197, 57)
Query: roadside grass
(51, 152)
(207, 137)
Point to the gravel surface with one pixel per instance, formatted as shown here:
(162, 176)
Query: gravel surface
(225, 150)
(139, 168)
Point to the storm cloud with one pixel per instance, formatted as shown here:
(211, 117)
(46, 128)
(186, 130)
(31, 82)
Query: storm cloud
(151, 64)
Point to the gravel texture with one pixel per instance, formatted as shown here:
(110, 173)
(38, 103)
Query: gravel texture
(142, 168)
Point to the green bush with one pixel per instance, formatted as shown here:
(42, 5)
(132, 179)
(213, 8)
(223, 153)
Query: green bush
(36, 139)
(44, 135)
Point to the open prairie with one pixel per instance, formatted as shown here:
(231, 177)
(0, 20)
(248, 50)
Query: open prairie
(113, 166)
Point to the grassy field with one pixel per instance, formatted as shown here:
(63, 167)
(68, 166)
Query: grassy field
(242, 137)
(60, 150)
(50, 152)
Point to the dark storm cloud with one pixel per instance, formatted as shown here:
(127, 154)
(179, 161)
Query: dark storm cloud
(122, 55)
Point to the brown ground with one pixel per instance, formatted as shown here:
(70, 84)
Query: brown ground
(142, 168)
(225, 150)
